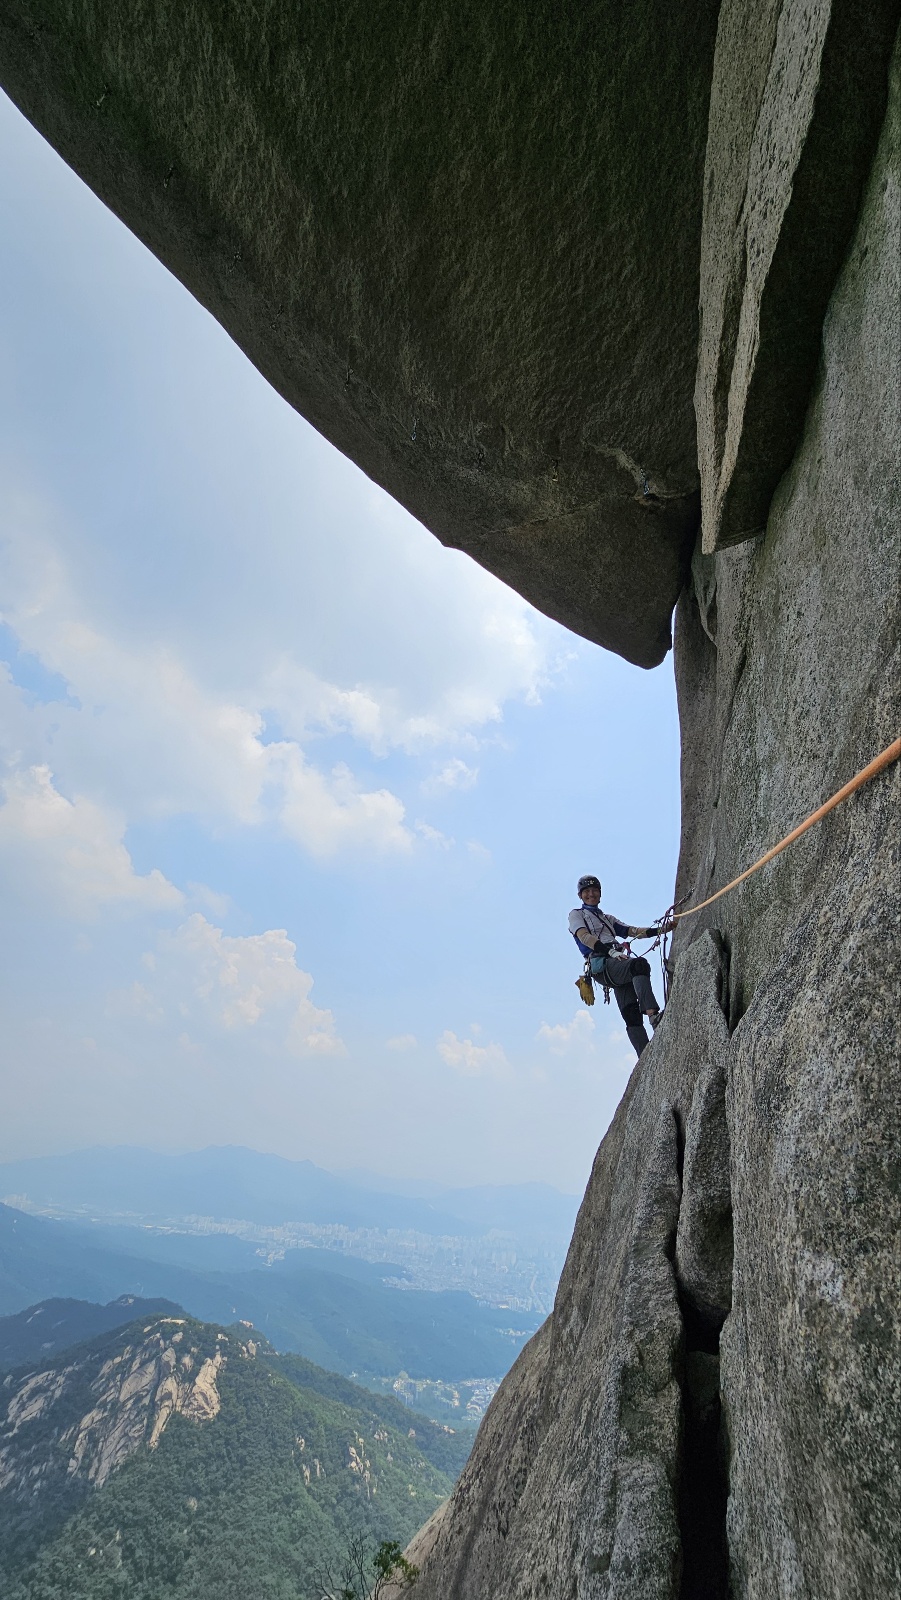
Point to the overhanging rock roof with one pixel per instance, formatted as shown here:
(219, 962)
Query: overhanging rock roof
(463, 240)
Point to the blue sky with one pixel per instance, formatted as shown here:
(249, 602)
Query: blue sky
(294, 799)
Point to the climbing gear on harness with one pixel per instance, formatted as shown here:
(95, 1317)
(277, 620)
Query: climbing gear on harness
(596, 968)
(595, 972)
(585, 987)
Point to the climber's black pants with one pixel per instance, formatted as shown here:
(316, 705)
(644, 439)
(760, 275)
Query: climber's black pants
(630, 979)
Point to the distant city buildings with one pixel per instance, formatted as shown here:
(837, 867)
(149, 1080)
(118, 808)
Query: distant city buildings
(462, 1404)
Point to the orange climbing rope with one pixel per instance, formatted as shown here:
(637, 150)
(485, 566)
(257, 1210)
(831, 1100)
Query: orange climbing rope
(891, 753)
(878, 764)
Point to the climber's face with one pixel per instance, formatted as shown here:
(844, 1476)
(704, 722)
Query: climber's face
(591, 896)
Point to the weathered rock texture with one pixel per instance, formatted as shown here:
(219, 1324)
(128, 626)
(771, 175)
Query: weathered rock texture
(689, 1424)
(82, 1420)
(577, 1484)
(797, 102)
(462, 239)
(468, 244)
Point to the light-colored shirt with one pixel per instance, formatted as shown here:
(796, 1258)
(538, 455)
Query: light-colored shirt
(591, 919)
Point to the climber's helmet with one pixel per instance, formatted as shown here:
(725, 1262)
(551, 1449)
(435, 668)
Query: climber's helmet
(588, 883)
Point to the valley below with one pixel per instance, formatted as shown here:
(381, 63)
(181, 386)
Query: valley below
(393, 1289)
(172, 1457)
(217, 1370)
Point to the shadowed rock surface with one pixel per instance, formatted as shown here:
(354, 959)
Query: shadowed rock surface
(780, 1060)
(475, 265)
(463, 240)
(574, 1483)
(797, 102)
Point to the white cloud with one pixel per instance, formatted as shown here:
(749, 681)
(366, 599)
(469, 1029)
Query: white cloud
(139, 724)
(306, 703)
(213, 710)
(137, 1001)
(565, 1036)
(330, 812)
(434, 835)
(431, 661)
(209, 982)
(402, 1041)
(454, 774)
(72, 850)
(200, 894)
(473, 1060)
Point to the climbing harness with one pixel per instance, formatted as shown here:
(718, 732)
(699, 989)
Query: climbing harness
(586, 981)
(886, 757)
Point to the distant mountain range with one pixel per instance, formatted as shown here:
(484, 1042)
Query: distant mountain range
(173, 1458)
(232, 1182)
(36, 1335)
(441, 1284)
(331, 1308)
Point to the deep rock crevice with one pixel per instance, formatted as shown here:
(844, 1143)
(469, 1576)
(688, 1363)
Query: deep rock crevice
(704, 1470)
(703, 1264)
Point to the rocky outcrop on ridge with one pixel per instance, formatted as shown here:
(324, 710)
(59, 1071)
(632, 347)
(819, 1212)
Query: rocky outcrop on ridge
(81, 1420)
(470, 245)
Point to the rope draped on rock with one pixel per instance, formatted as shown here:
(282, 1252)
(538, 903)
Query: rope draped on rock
(878, 764)
(886, 757)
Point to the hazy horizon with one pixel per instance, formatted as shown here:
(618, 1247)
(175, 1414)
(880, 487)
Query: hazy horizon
(294, 799)
(353, 1175)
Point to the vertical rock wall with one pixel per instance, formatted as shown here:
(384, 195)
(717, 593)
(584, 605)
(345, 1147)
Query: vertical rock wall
(805, 659)
(468, 244)
(711, 1410)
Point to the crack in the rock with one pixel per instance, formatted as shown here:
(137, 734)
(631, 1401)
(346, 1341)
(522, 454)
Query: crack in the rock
(704, 1476)
(703, 1482)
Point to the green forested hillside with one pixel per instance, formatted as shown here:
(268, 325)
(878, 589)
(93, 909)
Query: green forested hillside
(239, 1505)
(346, 1323)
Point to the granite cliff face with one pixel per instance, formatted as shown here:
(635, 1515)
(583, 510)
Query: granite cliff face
(711, 1407)
(81, 1420)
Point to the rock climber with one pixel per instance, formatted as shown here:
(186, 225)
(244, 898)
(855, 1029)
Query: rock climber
(596, 934)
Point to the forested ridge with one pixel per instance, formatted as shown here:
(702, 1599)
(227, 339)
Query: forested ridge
(249, 1503)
